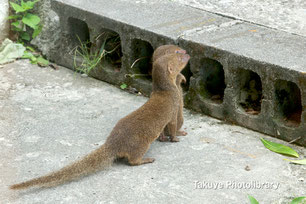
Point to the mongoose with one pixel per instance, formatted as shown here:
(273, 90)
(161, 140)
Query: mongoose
(180, 118)
(133, 134)
(161, 51)
(165, 50)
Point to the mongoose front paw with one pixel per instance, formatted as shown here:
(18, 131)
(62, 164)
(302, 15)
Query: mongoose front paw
(175, 139)
(163, 139)
(181, 133)
(148, 160)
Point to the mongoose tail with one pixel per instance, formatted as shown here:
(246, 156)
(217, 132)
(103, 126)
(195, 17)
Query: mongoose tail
(96, 160)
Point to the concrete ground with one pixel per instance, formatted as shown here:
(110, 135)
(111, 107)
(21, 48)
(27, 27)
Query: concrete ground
(289, 16)
(283, 15)
(50, 118)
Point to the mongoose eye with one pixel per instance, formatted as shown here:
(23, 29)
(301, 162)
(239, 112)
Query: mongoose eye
(180, 51)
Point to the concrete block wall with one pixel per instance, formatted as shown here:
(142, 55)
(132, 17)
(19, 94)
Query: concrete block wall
(4, 25)
(247, 74)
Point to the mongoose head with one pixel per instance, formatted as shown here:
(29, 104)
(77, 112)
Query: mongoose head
(165, 50)
(177, 62)
(167, 67)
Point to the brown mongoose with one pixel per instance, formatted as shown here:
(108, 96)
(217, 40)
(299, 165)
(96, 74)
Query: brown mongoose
(180, 118)
(166, 49)
(161, 51)
(133, 134)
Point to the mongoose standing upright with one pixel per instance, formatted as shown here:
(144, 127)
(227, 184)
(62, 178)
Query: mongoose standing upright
(159, 52)
(133, 134)
(180, 118)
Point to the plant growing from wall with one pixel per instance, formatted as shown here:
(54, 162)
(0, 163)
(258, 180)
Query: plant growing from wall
(23, 22)
(91, 56)
(35, 57)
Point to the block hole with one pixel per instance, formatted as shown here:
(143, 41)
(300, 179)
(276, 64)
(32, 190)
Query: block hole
(104, 51)
(79, 32)
(187, 73)
(141, 59)
(106, 47)
(288, 102)
(212, 84)
(250, 91)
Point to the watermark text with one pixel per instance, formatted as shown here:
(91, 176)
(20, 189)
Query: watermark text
(236, 185)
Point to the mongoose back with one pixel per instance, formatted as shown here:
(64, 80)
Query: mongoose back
(133, 134)
(159, 52)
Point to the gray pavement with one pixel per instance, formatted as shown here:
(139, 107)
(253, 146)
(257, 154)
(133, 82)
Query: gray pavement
(289, 16)
(50, 118)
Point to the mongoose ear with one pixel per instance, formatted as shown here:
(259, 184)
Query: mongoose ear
(170, 67)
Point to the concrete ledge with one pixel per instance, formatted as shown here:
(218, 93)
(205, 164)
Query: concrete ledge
(244, 73)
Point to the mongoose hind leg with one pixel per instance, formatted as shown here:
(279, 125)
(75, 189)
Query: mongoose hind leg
(135, 158)
(140, 161)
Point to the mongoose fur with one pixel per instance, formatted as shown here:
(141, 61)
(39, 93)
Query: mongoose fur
(161, 51)
(133, 134)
